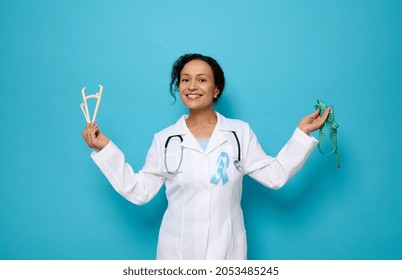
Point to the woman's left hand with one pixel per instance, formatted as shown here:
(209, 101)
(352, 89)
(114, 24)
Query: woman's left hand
(313, 121)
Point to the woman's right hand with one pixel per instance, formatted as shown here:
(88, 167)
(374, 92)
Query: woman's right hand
(94, 138)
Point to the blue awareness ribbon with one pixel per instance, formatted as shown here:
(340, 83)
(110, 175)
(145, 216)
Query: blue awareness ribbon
(220, 173)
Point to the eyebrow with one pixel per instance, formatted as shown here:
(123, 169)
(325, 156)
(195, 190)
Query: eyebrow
(199, 74)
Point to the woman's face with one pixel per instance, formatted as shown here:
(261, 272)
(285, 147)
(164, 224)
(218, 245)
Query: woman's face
(197, 85)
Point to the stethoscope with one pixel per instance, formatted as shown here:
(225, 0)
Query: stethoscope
(236, 162)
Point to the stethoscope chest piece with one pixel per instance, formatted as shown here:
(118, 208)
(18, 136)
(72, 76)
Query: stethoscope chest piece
(237, 165)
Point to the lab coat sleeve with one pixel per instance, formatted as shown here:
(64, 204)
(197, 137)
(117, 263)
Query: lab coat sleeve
(139, 188)
(274, 172)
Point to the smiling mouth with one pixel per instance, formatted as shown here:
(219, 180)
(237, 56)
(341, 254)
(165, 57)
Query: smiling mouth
(193, 96)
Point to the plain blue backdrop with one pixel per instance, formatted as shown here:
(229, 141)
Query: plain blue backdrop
(279, 57)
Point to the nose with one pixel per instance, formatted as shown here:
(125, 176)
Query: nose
(192, 85)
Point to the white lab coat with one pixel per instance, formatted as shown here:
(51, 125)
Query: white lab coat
(203, 220)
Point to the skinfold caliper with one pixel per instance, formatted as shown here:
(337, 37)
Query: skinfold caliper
(84, 106)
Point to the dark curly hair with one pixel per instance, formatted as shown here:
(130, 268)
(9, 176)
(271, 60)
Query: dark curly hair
(219, 76)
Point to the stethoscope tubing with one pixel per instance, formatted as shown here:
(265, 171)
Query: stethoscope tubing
(236, 162)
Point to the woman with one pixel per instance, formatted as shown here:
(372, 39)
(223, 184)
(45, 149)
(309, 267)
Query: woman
(201, 160)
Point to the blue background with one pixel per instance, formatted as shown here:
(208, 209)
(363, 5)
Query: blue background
(279, 57)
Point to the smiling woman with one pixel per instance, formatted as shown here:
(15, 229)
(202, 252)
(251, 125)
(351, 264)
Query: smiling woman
(197, 86)
(204, 219)
(217, 72)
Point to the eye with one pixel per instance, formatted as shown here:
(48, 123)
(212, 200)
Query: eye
(184, 80)
(202, 80)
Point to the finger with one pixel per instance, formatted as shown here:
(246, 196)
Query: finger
(95, 133)
(315, 114)
(326, 114)
(95, 136)
(92, 132)
(89, 133)
(323, 118)
(87, 138)
(86, 131)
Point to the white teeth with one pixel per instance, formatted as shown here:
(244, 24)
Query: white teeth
(193, 96)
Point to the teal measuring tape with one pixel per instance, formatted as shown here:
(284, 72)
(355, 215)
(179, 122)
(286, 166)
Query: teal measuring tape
(332, 128)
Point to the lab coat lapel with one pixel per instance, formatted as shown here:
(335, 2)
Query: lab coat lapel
(189, 140)
(219, 136)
